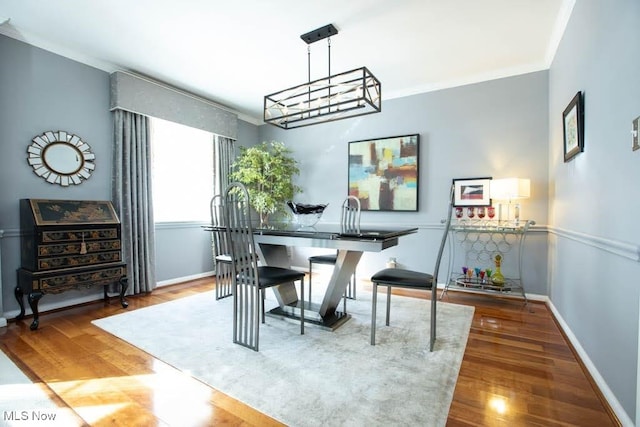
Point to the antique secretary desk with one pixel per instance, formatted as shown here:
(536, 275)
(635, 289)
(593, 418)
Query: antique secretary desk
(68, 244)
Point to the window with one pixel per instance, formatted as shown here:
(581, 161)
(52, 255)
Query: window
(183, 172)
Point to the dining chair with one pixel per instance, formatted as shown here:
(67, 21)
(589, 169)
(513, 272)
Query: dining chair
(349, 221)
(251, 280)
(401, 278)
(220, 248)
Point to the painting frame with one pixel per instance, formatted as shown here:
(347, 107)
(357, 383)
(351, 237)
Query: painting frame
(573, 127)
(479, 196)
(384, 173)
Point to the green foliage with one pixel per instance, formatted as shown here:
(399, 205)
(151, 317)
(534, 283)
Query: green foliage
(267, 171)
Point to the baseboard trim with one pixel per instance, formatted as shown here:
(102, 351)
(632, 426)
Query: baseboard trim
(45, 307)
(602, 385)
(185, 279)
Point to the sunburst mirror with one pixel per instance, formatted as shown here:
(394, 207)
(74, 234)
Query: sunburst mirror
(61, 158)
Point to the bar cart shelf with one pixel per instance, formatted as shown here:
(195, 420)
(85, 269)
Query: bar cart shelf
(474, 245)
(510, 286)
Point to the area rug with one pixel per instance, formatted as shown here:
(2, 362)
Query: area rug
(329, 378)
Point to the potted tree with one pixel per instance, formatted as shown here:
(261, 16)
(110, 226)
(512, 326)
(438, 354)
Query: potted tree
(267, 171)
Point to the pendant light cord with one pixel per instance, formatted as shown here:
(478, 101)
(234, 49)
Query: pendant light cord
(309, 63)
(329, 80)
(309, 76)
(329, 49)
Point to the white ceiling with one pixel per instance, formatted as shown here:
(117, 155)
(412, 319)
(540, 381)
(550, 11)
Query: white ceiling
(236, 51)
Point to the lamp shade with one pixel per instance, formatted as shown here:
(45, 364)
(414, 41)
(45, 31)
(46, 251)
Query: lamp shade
(510, 188)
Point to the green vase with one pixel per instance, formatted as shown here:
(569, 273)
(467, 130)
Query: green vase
(497, 278)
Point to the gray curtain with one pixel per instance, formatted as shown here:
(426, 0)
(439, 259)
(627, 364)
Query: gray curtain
(131, 192)
(225, 156)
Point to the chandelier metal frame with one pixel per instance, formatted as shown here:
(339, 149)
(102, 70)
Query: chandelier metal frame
(345, 95)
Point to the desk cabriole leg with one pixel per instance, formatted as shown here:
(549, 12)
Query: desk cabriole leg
(34, 298)
(20, 298)
(124, 284)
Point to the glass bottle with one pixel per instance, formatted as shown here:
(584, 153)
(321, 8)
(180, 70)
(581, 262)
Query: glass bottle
(498, 278)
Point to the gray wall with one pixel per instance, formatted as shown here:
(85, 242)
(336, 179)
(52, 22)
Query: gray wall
(42, 91)
(496, 128)
(594, 240)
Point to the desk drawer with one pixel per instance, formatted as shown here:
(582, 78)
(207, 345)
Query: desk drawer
(52, 263)
(56, 282)
(75, 248)
(59, 236)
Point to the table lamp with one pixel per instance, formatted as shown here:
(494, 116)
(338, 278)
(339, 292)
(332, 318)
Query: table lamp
(510, 189)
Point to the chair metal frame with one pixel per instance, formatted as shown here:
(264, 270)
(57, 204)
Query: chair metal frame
(250, 280)
(350, 214)
(392, 277)
(220, 249)
(349, 221)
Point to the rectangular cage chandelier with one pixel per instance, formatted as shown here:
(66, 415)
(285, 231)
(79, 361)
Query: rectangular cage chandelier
(340, 96)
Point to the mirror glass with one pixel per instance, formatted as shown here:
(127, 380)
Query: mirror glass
(61, 158)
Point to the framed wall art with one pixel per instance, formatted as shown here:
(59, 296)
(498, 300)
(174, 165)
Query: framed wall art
(384, 173)
(573, 127)
(471, 192)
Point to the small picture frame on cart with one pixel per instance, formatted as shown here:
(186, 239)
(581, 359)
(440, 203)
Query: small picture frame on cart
(471, 192)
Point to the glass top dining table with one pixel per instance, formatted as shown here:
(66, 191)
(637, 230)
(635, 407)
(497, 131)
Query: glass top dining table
(272, 242)
(332, 232)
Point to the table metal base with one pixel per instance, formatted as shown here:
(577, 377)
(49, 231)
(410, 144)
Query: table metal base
(311, 315)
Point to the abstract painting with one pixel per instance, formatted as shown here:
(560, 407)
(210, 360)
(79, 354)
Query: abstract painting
(383, 173)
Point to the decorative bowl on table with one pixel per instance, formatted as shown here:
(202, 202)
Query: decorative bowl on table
(306, 215)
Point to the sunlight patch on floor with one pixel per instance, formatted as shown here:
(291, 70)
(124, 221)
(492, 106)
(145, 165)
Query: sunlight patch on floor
(176, 398)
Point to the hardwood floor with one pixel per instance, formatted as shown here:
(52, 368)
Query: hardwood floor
(517, 370)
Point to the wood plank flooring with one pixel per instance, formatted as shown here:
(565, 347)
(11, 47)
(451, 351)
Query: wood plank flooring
(518, 370)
